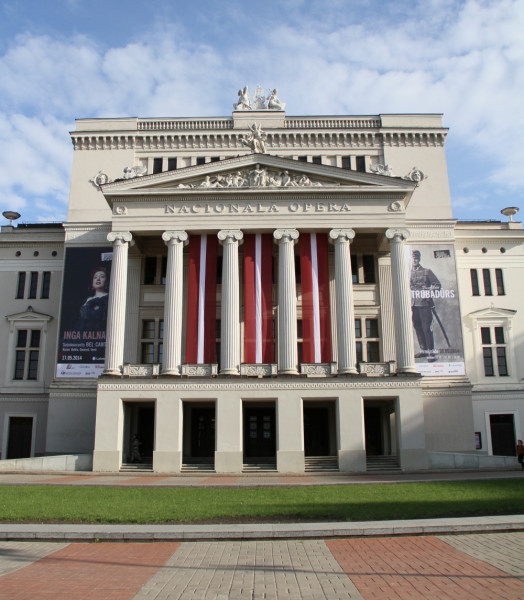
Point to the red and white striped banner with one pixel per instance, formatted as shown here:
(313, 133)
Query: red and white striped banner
(316, 321)
(201, 300)
(258, 282)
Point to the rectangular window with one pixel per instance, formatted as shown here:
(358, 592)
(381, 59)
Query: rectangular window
(368, 262)
(46, 284)
(151, 346)
(215, 158)
(317, 160)
(354, 268)
(367, 340)
(346, 162)
(20, 288)
(302, 158)
(488, 362)
(201, 160)
(486, 275)
(475, 288)
(500, 282)
(494, 348)
(157, 165)
(27, 354)
(171, 164)
(361, 164)
(33, 285)
(150, 270)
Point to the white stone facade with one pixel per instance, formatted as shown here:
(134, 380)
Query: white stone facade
(221, 364)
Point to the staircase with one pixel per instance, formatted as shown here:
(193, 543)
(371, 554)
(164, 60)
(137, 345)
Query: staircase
(199, 467)
(141, 467)
(382, 463)
(260, 465)
(321, 464)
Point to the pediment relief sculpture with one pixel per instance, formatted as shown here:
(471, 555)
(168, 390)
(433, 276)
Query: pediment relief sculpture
(255, 178)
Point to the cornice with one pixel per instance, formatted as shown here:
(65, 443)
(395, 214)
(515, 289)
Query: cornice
(277, 140)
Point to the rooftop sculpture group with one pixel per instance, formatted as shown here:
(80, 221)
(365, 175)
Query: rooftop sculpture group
(259, 102)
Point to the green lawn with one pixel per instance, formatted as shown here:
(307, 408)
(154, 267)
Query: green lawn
(184, 505)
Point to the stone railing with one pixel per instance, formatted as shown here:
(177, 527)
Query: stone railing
(377, 369)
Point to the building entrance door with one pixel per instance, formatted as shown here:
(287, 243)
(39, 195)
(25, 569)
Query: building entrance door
(259, 433)
(20, 437)
(373, 431)
(199, 433)
(503, 442)
(316, 431)
(139, 419)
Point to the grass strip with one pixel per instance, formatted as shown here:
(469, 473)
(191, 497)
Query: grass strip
(37, 503)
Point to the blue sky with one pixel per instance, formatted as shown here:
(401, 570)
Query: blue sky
(67, 59)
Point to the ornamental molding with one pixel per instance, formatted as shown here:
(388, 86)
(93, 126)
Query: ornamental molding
(24, 399)
(259, 370)
(277, 139)
(217, 385)
(318, 369)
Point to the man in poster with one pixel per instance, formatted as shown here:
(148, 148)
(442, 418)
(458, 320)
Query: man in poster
(423, 282)
(437, 328)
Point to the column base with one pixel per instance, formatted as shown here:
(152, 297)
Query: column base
(408, 371)
(167, 462)
(348, 371)
(352, 461)
(113, 372)
(228, 462)
(107, 461)
(288, 372)
(171, 372)
(234, 372)
(290, 461)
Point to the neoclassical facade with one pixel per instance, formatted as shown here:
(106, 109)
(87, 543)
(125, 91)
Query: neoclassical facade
(265, 292)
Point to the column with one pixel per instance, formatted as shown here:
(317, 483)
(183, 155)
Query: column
(175, 242)
(116, 312)
(230, 313)
(287, 302)
(387, 314)
(347, 357)
(402, 301)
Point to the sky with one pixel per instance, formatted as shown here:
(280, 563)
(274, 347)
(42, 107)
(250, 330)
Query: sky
(67, 59)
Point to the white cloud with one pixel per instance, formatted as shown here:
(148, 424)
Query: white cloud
(465, 59)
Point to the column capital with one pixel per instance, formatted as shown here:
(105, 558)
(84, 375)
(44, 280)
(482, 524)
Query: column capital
(119, 237)
(175, 237)
(228, 236)
(290, 235)
(341, 235)
(398, 232)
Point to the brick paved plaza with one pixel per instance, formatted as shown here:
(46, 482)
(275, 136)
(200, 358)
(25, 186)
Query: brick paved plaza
(479, 566)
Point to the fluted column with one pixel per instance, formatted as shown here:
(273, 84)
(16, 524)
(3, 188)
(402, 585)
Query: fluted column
(116, 312)
(347, 357)
(230, 315)
(402, 301)
(175, 242)
(287, 302)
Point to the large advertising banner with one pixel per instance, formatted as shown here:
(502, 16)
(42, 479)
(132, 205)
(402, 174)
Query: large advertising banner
(85, 293)
(437, 329)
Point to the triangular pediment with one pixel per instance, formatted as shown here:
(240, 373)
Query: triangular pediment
(492, 313)
(29, 316)
(254, 172)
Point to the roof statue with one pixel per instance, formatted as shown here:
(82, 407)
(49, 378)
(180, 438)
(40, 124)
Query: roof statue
(255, 139)
(259, 102)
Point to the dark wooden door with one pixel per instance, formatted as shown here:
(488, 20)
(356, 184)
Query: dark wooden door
(20, 437)
(259, 432)
(503, 441)
(316, 431)
(203, 432)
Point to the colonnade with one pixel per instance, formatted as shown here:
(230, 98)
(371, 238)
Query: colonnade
(230, 316)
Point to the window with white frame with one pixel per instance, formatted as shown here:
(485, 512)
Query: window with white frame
(26, 348)
(494, 353)
(152, 341)
(493, 343)
(367, 340)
